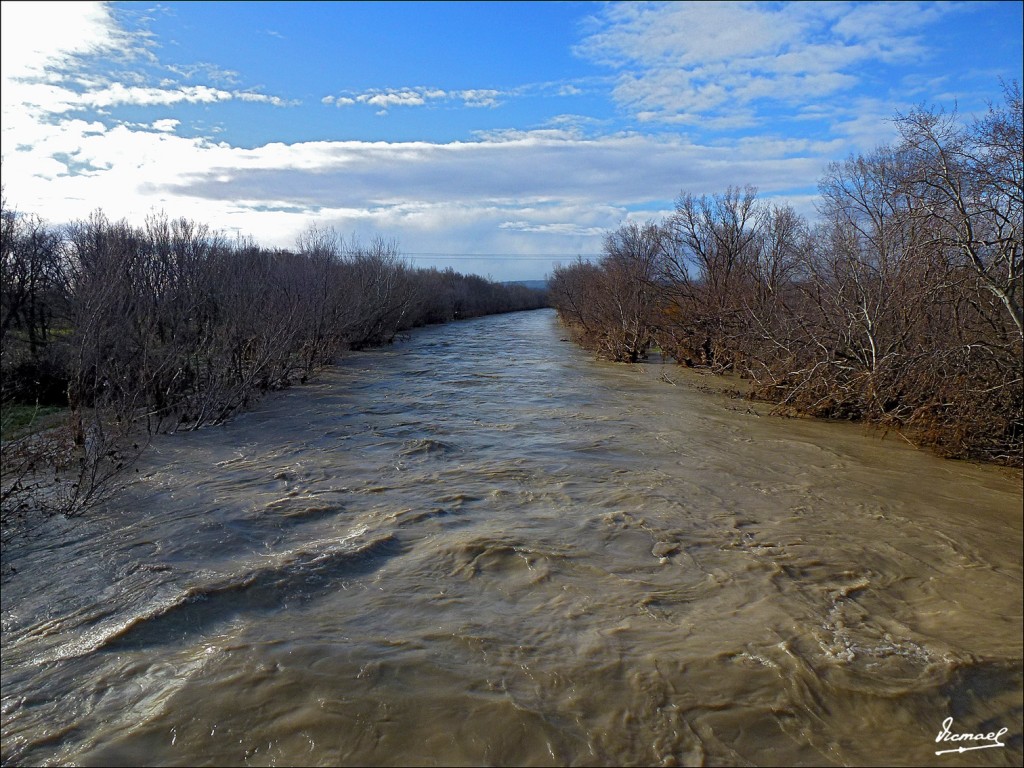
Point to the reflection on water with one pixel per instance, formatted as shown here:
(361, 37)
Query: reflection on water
(482, 547)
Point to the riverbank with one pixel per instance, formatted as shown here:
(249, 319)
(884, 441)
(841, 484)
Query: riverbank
(741, 392)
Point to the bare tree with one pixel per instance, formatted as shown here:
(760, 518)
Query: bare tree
(711, 269)
(611, 306)
(970, 179)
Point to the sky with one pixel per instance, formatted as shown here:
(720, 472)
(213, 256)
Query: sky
(498, 138)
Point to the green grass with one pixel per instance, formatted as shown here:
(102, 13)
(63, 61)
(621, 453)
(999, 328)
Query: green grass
(19, 419)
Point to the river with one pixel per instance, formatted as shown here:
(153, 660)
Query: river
(480, 546)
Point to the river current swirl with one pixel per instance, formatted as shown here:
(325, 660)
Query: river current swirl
(480, 546)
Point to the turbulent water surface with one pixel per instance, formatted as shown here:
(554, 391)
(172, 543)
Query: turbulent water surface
(479, 546)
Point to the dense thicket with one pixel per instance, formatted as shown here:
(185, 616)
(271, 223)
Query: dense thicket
(168, 326)
(901, 306)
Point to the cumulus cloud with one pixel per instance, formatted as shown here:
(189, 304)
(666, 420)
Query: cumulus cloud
(480, 97)
(558, 227)
(206, 71)
(118, 94)
(72, 30)
(419, 96)
(166, 125)
(423, 96)
(566, 189)
(263, 98)
(51, 99)
(46, 47)
(694, 62)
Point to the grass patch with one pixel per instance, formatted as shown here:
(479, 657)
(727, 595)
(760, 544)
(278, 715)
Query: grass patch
(19, 419)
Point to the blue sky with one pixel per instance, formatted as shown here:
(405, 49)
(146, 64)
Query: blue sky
(505, 137)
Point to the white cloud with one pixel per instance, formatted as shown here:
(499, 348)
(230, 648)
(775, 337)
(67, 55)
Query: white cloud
(166, 125)
(262, 98)
(688, 62)
(417, 97)
(206, 70)
(72, 29)
(558, 228)
(52, 99)
(117, 95)
(395, 99)
(44, 44)
(480, 97)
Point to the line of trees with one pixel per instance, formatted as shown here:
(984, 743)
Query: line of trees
(136, 330)
(901, 306)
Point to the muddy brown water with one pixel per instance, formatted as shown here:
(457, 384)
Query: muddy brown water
(480, 546)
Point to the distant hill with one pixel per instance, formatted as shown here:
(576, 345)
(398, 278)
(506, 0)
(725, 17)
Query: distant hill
(541, 284)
